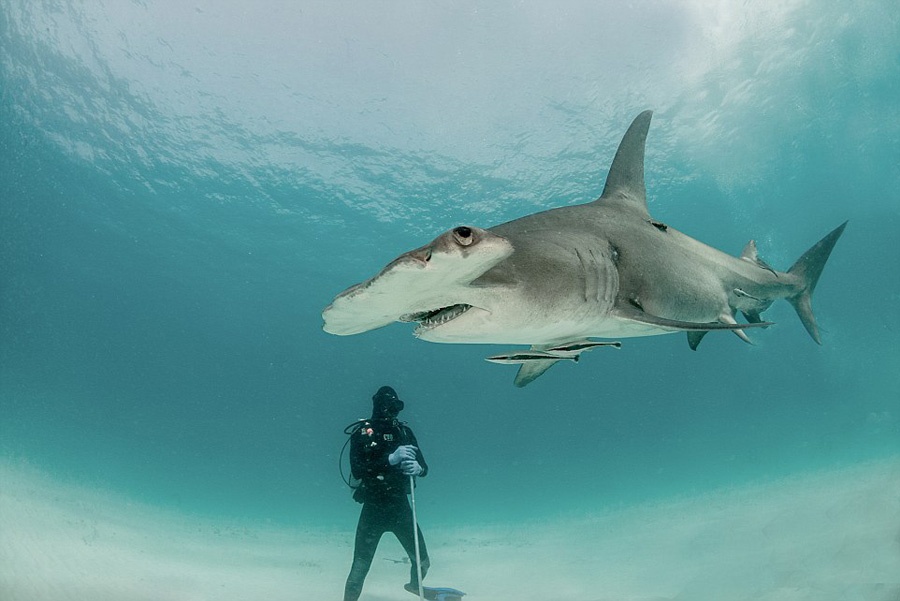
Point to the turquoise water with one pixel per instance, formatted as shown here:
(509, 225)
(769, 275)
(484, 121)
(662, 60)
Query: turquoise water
(184, 188)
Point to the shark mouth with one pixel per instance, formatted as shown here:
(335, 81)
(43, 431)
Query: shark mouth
(435, 317)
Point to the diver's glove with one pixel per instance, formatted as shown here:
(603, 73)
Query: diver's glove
(405, 452)
(411, 468)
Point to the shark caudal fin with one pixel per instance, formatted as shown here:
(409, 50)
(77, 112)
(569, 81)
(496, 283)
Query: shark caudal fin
(808, 268)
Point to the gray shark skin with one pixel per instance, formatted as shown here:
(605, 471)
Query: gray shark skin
(554, 280)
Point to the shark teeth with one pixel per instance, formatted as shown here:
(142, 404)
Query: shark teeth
(436, 317)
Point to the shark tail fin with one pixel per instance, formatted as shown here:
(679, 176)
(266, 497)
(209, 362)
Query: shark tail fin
(808, 268)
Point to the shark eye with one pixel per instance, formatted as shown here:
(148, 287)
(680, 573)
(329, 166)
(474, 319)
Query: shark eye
(463, 235)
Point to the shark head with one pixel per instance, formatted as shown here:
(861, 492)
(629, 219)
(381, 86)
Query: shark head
(430, 285)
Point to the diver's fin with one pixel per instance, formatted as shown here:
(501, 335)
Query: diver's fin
(435, 593)
(808, 268)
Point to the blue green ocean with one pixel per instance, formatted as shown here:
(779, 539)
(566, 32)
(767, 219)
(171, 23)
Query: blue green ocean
(185, 186)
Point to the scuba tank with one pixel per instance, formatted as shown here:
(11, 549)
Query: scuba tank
(398, 434)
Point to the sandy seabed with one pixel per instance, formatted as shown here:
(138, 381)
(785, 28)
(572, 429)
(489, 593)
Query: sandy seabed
(831, 535)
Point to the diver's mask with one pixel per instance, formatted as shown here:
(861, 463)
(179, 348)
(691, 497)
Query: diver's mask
(386, 404)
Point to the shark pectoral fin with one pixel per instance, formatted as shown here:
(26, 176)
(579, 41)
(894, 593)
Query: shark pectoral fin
(632, 313)
(531, 371)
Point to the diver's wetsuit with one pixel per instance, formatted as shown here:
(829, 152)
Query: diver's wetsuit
(382, 492)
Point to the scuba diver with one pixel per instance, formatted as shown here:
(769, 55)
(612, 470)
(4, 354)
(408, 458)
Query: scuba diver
(384, 454)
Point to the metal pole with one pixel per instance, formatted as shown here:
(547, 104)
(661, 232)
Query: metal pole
(412, 494)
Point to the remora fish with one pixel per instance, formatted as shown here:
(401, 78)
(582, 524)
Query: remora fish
(556, 279)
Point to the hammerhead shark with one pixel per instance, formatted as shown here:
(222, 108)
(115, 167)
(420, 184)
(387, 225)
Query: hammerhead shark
(559, 279)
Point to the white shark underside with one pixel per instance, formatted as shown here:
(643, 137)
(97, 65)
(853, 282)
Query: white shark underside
(556, 279)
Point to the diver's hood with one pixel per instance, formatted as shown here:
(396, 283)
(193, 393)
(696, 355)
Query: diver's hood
(386, 404)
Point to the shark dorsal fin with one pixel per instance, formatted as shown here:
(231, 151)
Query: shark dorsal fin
(750, 253)
(625, 182)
